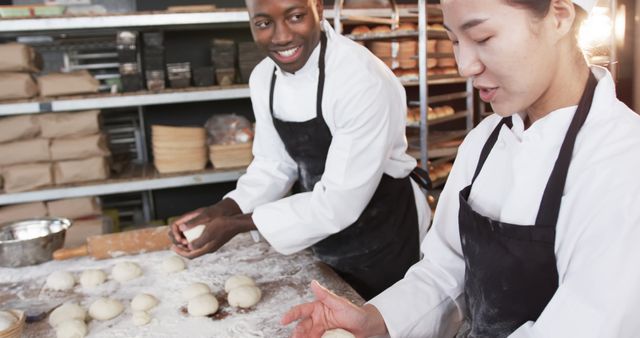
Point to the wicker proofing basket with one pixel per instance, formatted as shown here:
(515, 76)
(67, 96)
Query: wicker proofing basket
(230, 156)
(15, 331)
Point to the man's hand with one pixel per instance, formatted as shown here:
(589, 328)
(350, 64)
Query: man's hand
(217, 232)
(225, 208)
(329, 311)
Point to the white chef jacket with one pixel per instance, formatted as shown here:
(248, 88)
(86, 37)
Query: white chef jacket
(598, 230)
(364, 106)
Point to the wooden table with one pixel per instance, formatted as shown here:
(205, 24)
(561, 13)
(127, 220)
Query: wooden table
(284, 281)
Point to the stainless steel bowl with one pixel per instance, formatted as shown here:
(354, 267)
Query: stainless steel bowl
(31, 241)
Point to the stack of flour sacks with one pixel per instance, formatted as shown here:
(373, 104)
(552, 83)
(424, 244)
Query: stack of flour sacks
(50, 149)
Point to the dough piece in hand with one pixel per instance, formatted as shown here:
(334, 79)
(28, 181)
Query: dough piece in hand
(173, 264)
(71, 329)
(140, 318)
(105, 309)
(7, 320)
(92, 278)
(66, 312)
(236, 281)
(193, 233)
(338, 333)
(125, 271)
(143, 302)
(244, 296)
(194, 290)
(203, 305)
(60, 280)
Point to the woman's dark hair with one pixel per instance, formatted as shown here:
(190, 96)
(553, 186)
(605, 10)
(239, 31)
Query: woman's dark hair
(540, 8)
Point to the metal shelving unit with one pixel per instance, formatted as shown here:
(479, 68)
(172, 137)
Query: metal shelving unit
(139, 178)
(11, 27)
(424, 80)
(144, 98)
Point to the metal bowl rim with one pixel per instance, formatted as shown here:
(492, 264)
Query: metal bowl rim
(65, 221)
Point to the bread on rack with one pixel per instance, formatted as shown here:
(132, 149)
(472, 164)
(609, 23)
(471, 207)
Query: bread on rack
(446, 62)
(444, 46)
(431, 46)
(359, 30)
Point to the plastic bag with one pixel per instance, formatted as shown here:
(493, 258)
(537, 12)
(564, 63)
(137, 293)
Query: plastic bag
(229, 129)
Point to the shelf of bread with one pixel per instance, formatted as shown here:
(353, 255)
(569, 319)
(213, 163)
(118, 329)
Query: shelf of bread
(106, 100)
(134, 178)
(368, 35)
(435, 116)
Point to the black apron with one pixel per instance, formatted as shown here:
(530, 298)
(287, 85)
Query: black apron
(377, 250)
(511, 273)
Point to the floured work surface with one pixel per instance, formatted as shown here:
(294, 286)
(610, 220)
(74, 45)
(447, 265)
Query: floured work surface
(284, 281)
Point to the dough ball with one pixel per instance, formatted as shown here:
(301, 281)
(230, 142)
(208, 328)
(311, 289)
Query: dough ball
(244, 296)
(66, 312)
(105, 309)
(7, 320)
(71, 329)
(193, 233)
(236, 281)
(125, 271)
(92, 278)
(194, 290)
(60, 280)
(173, 264)
(140, 318)
(338, 333)
(203, 305)
(143, 302)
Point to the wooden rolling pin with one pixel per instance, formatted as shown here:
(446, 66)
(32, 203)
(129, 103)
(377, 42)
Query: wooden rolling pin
(118, 244)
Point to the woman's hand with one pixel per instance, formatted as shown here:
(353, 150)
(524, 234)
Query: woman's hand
(329, 311)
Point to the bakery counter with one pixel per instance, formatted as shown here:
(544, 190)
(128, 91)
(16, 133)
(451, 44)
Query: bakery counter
(284, 281)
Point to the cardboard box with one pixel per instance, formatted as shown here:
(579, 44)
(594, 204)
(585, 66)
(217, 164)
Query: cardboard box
(77, 234)
(18, 127)
(59, 84)
(91, 169)
(15, 86)
(18, 212)
(68, 125)
(29, 151)
(25, 177)
(74, 208)
(17, 57)
(79, 148)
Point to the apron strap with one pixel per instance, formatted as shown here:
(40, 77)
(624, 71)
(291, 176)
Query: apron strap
(421, 177)
(320, 91)
(491, 141)
(550, 205)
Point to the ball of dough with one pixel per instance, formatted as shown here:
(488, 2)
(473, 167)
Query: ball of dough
(92, 278)
(71, 329)
(244, 296)
(7, 320)
(140, 318)
(125, 271)
(203, 305)
(105, 309)
(60, 280)
(194, 290)
(236, 281)
(173, 264)
(338, 333)
(143, 302)
(193, 233)
(66, 312)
